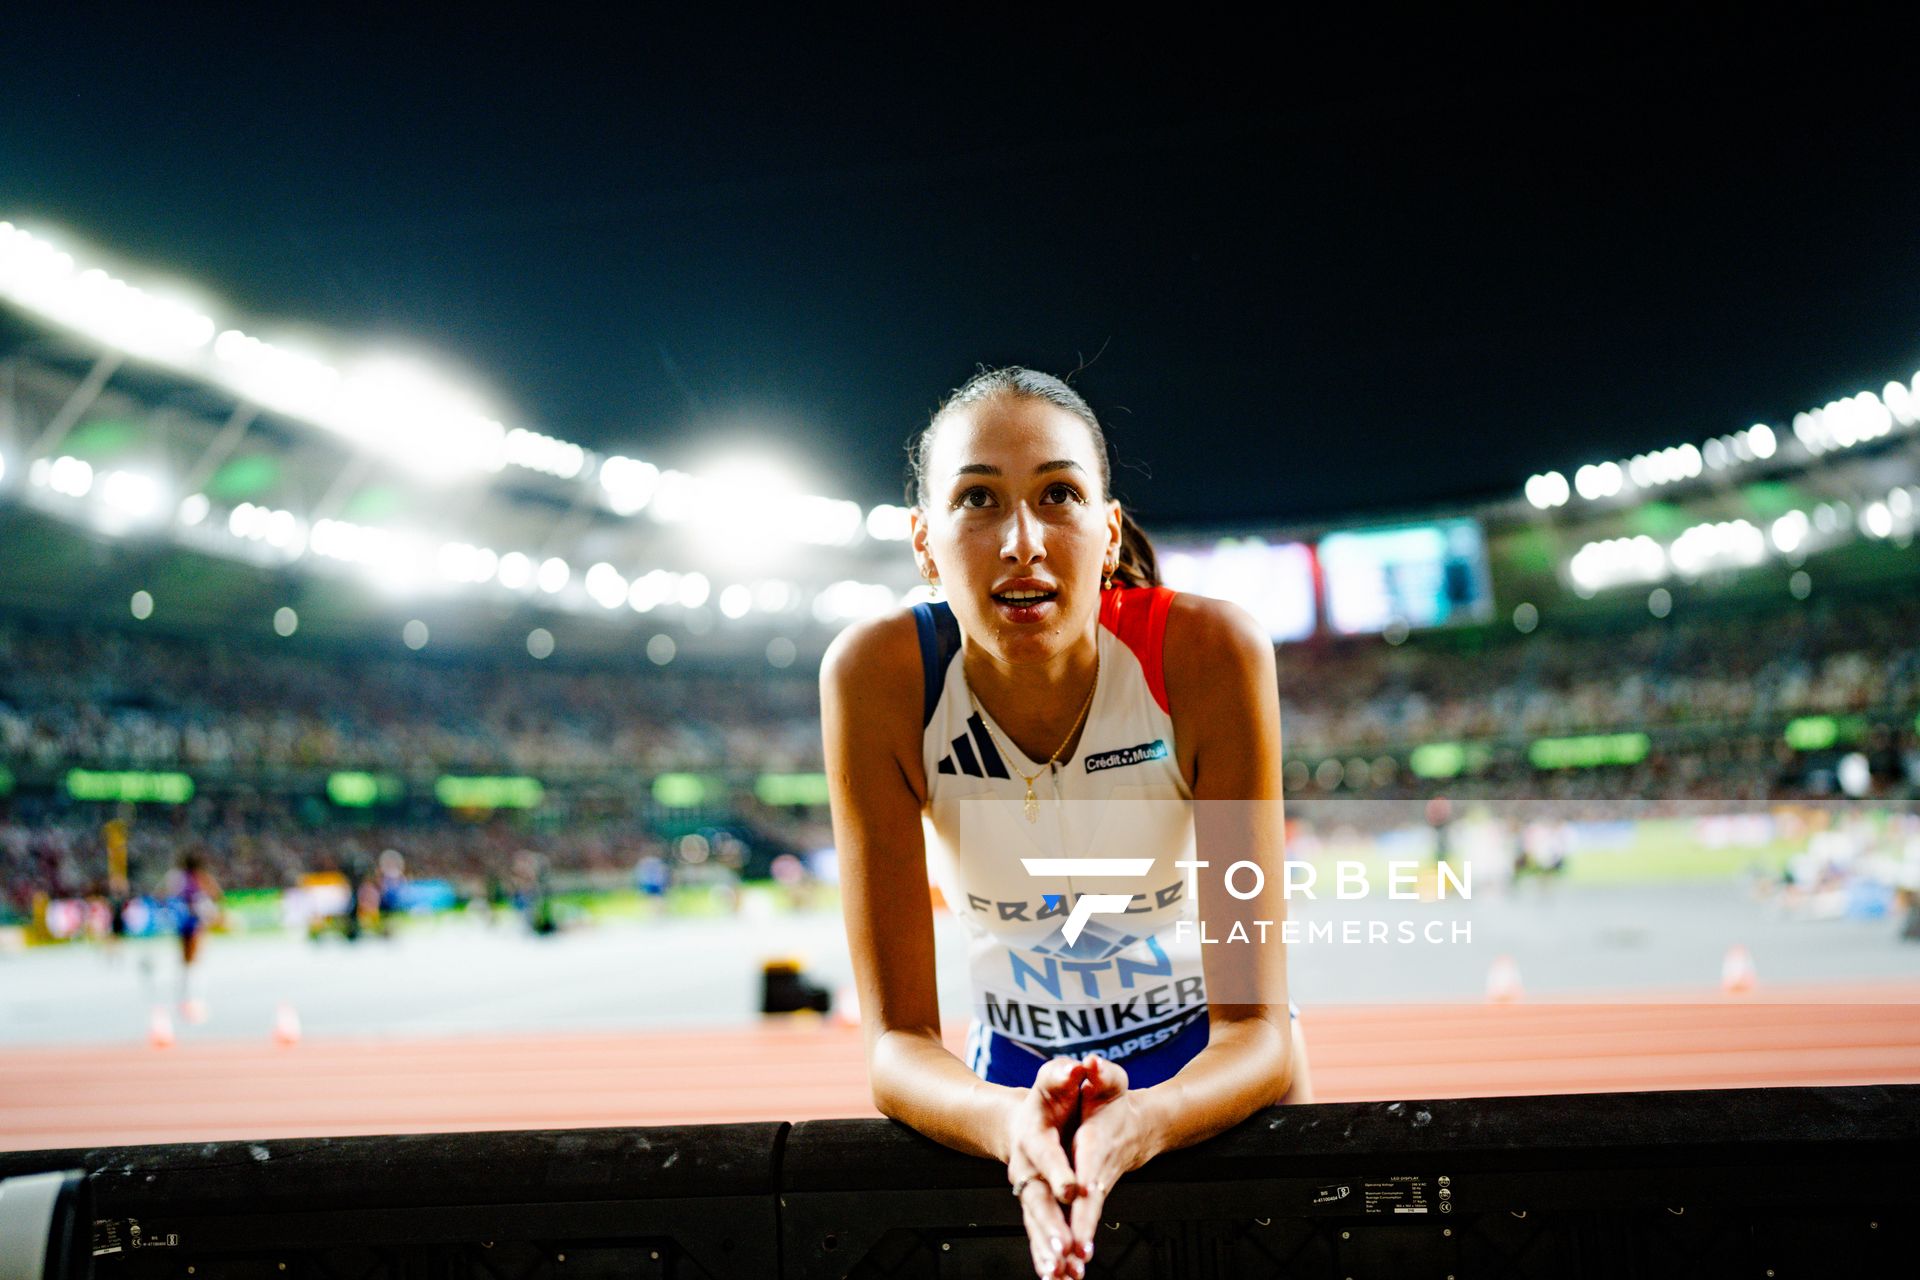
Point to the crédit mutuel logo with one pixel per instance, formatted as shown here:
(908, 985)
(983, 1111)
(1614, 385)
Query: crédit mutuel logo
(1246, 880)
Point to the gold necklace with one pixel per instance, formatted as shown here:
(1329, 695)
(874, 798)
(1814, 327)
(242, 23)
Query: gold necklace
(1031, 805)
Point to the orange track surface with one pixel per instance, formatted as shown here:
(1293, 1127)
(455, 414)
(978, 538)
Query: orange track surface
(795, 1070)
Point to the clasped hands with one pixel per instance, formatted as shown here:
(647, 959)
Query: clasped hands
(1069, 1140)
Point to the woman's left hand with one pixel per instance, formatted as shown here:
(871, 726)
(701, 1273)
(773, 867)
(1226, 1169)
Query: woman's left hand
(1114, 1137)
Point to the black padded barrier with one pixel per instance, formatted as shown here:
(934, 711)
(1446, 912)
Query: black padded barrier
(1748, 1182)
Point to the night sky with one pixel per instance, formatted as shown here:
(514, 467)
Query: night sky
(1323, 270)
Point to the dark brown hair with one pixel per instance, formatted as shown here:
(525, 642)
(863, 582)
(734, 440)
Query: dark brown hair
(1137, 567)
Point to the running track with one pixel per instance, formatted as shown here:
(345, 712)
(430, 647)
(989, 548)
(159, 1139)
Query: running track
(805, 1069)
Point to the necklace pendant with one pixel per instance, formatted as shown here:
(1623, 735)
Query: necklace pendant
(1031, 806)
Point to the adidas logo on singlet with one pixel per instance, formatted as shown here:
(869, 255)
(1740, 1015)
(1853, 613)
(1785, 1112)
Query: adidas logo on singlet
(970, 750)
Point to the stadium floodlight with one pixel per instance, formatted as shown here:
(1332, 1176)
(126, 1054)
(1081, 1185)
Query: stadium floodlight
(403, 411)
(847, 600)
(46, 280)
(141, 605)
(275, 375)
(829, 522)
(285, 621)
(277, 528)
(194, 508)
(68, 476)
(1790, 532)
(516, 571)
(676, 495)
(1899, 402)
(344, 540)
(606, 586)
(403, 565)
(652, 589)
(462, 562)
(774, 596)
(553, 575)
(1544, 491)
(1599, 480)
(627, 483)
(1727, 544)
(693, 590)
(1876, 521)
(887, 523)
(1759, 438)
(131, 494)
(537, 452)
(736, 601)
(415, 634)
(540, 643)
(1616, 562)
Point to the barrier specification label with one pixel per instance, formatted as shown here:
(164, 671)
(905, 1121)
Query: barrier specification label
(1403, 1193)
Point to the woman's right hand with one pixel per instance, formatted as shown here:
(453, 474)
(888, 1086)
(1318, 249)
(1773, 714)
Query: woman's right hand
(1038, 1167)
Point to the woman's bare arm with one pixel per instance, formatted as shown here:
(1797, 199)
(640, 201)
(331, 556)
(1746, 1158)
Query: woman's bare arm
(870, 695)
(1223, 685)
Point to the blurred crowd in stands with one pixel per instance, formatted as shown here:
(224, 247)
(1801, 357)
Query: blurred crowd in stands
(110, 699)
(1713, 693)
(1735, 676)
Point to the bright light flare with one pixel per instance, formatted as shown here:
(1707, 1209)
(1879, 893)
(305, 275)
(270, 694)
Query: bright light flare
(628, 484)
(1543, 491)
(131, 494)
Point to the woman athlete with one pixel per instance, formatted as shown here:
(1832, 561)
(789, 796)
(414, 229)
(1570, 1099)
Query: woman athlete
(1058, 682)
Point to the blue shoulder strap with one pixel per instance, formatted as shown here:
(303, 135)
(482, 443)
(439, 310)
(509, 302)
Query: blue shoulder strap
(939, 641)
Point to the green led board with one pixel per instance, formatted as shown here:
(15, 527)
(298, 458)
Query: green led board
(362, 790)
(1590, 751)
(1812, 733)
(130, 786)
(489, 793)
(679, 790)
(783, 789)
(1438, 760)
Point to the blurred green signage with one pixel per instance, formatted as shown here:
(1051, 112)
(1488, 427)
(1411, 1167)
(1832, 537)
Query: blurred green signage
(489, 793)
(780, 790)
(362, 790)
(130, 786)
(1589, 751)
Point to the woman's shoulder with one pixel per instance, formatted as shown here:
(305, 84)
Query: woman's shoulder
(1208, 641)
(877, 657)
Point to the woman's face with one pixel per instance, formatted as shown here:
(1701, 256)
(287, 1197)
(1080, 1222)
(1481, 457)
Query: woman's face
(1016, 527)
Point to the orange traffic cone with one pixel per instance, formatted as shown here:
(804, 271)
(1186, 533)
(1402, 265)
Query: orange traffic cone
(1503, 981)
(1736, 972)
(286, 1025)
(846, 1007)
(160, 1028)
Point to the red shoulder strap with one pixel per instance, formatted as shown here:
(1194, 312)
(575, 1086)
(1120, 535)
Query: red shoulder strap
(1138, 615)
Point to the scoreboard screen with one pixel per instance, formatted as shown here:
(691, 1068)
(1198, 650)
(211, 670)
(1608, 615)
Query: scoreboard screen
(1426, 575)
(1272, 581)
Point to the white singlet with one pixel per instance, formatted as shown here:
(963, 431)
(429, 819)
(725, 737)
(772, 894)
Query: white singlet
(1127, 984)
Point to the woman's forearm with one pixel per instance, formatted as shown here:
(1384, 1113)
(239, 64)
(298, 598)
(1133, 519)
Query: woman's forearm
(1246, 1065)
(918, 1082)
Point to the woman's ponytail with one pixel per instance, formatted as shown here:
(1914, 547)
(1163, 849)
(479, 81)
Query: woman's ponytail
(1137, 567)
